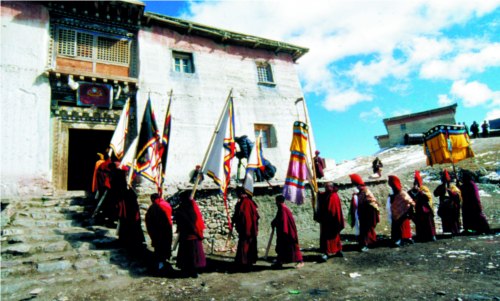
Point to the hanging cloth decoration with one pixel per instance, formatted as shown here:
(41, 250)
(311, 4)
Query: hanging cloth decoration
(297, 174)
(447, 144)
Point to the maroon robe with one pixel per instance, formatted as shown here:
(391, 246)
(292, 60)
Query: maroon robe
(424, 215)
(449, 208)
(246, 221)
(287, 239)
(401, 203)
(159, 226)
(190, 225)
(473, 217)
(368, 216)
(331, 220)
(129, 229)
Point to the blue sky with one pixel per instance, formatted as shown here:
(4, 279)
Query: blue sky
(370, 60)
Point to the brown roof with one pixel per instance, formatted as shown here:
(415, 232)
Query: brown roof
(420, 115)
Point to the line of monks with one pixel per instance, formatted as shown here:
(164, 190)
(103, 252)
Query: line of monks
(364, 214)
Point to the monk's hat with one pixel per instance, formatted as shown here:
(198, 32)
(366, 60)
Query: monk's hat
(101, 156)
(446, 176)
(317, 152)
(418, 178)
(356, 179)
(394, 182)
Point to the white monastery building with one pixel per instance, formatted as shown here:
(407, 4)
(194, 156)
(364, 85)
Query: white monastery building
(55, 53)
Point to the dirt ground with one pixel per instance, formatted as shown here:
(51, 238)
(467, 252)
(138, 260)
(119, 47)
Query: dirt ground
(465, 267)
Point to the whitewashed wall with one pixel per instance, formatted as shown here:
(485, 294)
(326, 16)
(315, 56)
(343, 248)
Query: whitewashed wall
(25, 99)
(198, 98)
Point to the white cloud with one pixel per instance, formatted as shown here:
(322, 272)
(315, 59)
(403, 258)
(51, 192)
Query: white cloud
(401, 112)
(340, 101)
(340, 30)
(371, 116)
(463, 64)
(474, 93)
(444, 100)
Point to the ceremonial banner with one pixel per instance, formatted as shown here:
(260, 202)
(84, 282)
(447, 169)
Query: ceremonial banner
(117, 144)
(165, 139)
(294, 189)
(218, 165)
(447, 144)
(149, 148)
(255, 161)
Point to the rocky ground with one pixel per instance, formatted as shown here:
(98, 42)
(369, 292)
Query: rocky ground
(50, 252)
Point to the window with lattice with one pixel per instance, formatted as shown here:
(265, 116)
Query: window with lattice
(85, 43)
(89, 46)
(264, 73)
(113, 50)
(66, 45)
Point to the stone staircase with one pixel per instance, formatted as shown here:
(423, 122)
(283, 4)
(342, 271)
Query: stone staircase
(49, 241)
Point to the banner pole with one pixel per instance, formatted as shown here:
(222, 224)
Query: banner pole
(314, 183)
(210, 145)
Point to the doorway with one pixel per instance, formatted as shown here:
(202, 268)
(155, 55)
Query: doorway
(82, 155)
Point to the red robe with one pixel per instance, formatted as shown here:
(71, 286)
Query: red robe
(473, 217)
(449, 207)
(190, 225)
(424, 214)
(159, 226)
(246, 221)
(129, 229)
(368, 216)
(400, 204)
(287, 239)
(331, 220)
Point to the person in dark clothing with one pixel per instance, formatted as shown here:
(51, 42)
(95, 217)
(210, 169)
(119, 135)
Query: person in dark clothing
(190, 226)
(194, 175)
(319, 165)
(246, 221)
(450, 199)
(424, 213)
(377, 166)
(485, 126)
(159, 226)
(473, 217)
(130, 233)
(287, 239)
(474, 128)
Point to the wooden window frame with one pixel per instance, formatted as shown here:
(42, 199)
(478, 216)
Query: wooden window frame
(96, 56)
(269, 139)
(265, 74)
(183, 57)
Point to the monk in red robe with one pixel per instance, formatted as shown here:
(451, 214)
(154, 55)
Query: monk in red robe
(450, 198)
(319, 165)
(130, 232)
(159, 226)
(368, 213)
(287, 239)
(246, 221)
(400, 206)
(190, 226)
(331, 219)
(473, 217)
(424, 212)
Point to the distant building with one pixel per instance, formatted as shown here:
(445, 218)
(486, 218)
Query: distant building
(68, 67)
(405, 129)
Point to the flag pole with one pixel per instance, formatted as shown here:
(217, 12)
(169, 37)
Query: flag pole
(314, 183)
(166, 116)
(210, 145)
